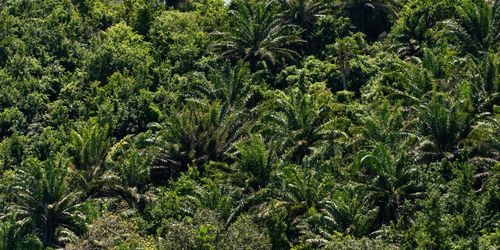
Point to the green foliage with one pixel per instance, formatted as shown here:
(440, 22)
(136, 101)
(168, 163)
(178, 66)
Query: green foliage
(313, 71)
(179, 38)
(13, 151)
(16, 235)
(362, 243)
(304, 14)
(415, 29)
(11, 121)
(299, 122)
(477, 26)
(256, 160)
(257, 35)
(126, 105)
(230, 86)
(199, 133)
(261, 124)
(328, 29)
(113, 232)
(45, 199)
(391, 178)
(90, 146)
(245, 234)
(301, 189)
(443, 122)
(119, 49)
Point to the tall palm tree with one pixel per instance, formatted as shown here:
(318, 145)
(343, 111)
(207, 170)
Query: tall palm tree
(383, 123)
(348, 212)
(389, 178)
(411, 32)
(483, 140)
(255, 158)
(344, 53)
(345, 211)
(300, 123)
(478, 26)
(442, 124)
(229, 85)
(371, 17)
(481, 148)
(484, 75)
(45, 198)
(300, 188)
(92, 150)
(90, 146)
(197, 134)
(258, 34)
(127, 176)
(303, 13)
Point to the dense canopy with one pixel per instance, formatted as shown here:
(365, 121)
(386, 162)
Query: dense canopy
(249, 124)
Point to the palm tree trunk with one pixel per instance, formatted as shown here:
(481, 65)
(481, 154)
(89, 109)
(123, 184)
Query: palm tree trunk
(344, 84)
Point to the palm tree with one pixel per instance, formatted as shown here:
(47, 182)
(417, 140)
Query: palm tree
(127, 176)
(389, 178)
(417, 83)
(293, 188)
(93, 150)
(348, 212)
(484, 74)
(484, 139)
(255, 158)
(299, 123)
(45, 198)
(384, 124)
(90, 146)
(370, 16)
(411, 32)
(258, 34)
(197, 134)
(303, 13)
(15, 234)
(344, 53)
(345, 211)
(299, 188)
(478, 26)
(229, 85)
(442, 124)
(481, 148)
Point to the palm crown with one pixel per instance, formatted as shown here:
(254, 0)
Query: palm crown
(258, 35)
(46, 199)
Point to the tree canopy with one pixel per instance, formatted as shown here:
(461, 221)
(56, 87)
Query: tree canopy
(249, 124)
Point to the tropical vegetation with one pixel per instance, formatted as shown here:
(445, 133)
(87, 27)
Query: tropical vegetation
(249, 124)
